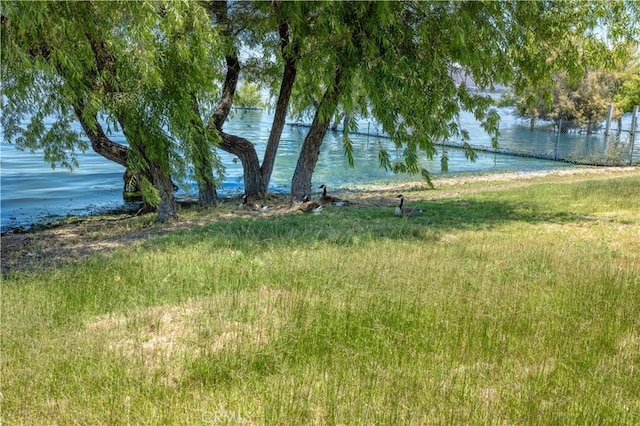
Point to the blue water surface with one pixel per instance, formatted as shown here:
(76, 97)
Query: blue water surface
(32, 192)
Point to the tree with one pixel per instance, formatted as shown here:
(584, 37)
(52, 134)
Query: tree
(248, 96)
(406, 54)
(628, 94)
(153, 69)
(581, 104)
(593, 97)
(138, 65)
(254, 24)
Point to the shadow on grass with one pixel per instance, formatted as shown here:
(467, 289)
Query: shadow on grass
(346, 226)
(340, 226)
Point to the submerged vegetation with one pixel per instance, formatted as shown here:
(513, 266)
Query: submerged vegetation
(513, 306)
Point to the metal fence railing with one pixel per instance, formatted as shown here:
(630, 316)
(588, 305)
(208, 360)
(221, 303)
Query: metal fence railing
(614, 143)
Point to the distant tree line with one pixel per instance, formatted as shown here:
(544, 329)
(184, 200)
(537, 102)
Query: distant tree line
(581, 103)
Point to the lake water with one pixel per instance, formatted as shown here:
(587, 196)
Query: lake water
(32, 192)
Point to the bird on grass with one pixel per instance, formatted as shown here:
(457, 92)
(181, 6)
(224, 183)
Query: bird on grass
(245, 205)
(406, 211)
(328, 199)
(309, 206)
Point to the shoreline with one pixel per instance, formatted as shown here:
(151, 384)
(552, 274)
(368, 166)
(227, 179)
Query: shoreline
(28, 219)
(418, 184)
(78, 237)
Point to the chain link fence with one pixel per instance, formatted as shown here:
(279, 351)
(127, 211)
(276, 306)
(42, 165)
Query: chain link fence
(612, 143)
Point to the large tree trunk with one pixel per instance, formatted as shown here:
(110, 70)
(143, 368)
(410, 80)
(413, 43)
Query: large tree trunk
(207, 194)
(115, 152)
(240, 147)
(301, 182)
(101, 144)
(218, 11)
(256, 177)
(246, 152)
(167, 208)
(286, 87)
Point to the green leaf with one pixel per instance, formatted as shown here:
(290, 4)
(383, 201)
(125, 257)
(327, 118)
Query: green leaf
(348, 148)
(384, 160)
(444, 163)
(427, 177)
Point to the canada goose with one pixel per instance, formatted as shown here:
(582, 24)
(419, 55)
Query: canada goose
(406, 211)
(251, 206)
(328, 199)
(309, 206)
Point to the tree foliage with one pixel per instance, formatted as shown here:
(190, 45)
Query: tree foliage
(168, 73)
(581, 104)
(138, 66)
(628, 94)
(584, 103)
(407, 55)
(249, 96)
(579, 94)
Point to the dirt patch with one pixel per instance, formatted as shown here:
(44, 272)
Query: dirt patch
(161, 336)
(79, 238)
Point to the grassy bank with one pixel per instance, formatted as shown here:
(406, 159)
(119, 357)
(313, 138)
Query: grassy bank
(515, 306)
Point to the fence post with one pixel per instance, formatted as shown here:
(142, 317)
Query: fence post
(632, 132)
(555, 154)
(609, 118)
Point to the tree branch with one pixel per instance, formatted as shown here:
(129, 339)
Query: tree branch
(100, 143)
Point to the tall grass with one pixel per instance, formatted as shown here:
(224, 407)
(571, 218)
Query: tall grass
(498, 307)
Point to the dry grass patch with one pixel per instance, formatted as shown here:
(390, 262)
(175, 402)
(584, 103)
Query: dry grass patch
(163, 337)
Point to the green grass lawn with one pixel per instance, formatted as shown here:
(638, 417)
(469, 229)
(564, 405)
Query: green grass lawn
(518, 306)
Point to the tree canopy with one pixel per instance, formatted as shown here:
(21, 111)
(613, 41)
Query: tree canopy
(135, 66)
(628, 94)
(575, 104)
(167, 74)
